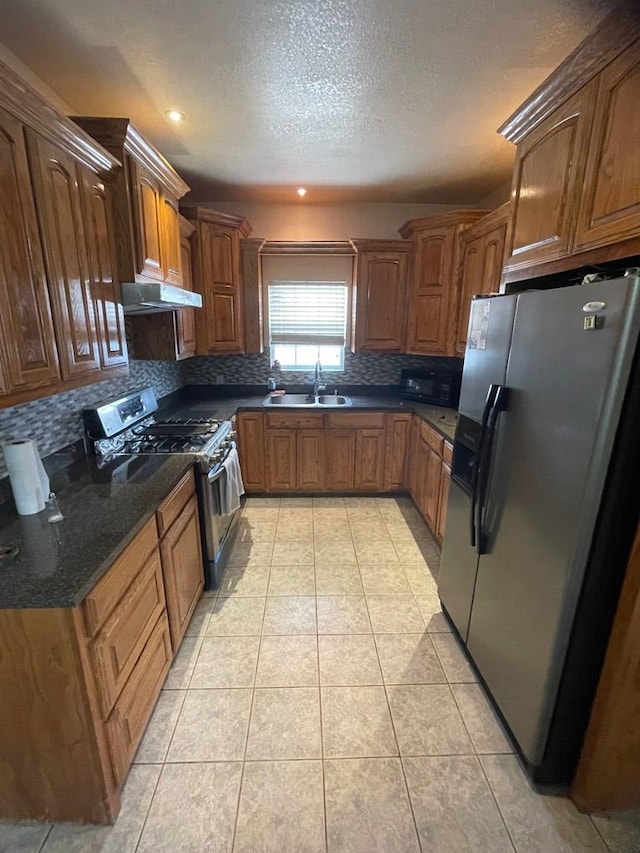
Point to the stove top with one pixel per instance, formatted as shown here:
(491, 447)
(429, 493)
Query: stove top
(142, 430)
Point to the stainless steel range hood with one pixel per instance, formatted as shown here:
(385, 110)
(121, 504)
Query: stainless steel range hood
(152, 298)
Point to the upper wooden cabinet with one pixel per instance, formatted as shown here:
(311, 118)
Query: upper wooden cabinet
(481, 265)
(433, 292)
(28, 354)
(576, 184)
(61, 216)
(145, 203)
(218, 279)
(169, 335)
(610, 202)
(381, 295)
(61, 322)
(547, 181)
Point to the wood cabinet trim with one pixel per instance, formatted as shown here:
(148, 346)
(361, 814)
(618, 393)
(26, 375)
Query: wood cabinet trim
(120, 134)
(172, 505)
(307, 247)
(619, 29)
(216, 217)
(442, 220)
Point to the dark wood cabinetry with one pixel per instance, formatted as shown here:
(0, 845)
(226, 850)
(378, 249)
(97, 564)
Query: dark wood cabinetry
(181, 554)
(369, 461)
(251, 446)
(547, 181)
(310, 460)
(433, 292)
(340, 460)
(59, 204)
(575, 192)
(218, 279)
(610, 199)
(280, 448)
(481, 265)
(145, 202)
(429, 474)
(28, 354)
(398, 441)
(169, 335)
(381, 295)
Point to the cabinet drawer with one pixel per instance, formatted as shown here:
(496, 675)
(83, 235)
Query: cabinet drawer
(432, 437)
(295, 420)
(447, 452)
(355, 420)
(129, 718)
(118, 645)
(109, 590)
(170, 508)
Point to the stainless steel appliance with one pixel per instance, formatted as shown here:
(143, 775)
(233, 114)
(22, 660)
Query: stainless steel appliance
(131, 425)
(435, 386)
(543, 505)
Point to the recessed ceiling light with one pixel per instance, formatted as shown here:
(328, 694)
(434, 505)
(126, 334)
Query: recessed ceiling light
(301, 192)
(175, 115)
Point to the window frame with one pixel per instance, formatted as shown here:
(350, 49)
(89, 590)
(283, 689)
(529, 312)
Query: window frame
(290, 253)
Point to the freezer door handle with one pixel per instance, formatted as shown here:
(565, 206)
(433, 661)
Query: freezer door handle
(475, 473)
(499, 399)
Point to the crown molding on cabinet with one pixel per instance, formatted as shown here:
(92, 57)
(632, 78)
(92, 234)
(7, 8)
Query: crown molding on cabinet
(618, 30)
(216, 217)
(441, 220)
(30, 108)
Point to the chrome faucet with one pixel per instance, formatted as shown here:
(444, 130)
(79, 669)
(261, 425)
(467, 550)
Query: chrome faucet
(318, 380)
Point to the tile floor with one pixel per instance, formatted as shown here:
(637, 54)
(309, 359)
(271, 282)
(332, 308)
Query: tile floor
(319, 703)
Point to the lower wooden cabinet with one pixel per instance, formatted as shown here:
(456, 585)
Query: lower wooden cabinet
(280, 446)
(182, 569)
(429, 474)
(398, 440)
(340, 456)
(80, 683)
(311, 460)
(250, 429)
(369, 461)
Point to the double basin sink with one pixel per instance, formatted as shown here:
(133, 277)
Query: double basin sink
(307, 400)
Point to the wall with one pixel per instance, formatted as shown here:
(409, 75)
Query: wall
(499, 196)
(255, 370)
(306, 221)
(39, 85)
(55, 421)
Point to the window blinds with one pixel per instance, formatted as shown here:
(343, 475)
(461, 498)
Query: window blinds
(308, 312)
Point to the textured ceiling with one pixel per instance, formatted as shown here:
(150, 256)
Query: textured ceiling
(367, 100)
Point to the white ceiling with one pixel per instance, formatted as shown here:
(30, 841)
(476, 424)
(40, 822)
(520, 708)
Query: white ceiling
(359, 100)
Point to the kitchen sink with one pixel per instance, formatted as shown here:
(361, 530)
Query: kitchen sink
(307, 401)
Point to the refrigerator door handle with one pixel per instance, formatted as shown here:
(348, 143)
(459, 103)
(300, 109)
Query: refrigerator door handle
(500, 399)
(475, 473)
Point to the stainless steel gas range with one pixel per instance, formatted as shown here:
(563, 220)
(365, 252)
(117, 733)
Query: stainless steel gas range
(132, 425)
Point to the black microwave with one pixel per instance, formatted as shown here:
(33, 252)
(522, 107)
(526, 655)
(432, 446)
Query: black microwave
(439, 386)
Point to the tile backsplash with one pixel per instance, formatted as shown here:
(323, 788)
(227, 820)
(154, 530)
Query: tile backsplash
(255, 369)
(56, 420)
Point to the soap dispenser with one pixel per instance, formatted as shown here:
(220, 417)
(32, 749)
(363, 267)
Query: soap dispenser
(271, 384)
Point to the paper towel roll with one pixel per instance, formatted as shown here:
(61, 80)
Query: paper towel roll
(29, 481)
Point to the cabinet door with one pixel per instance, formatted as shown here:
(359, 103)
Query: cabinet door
(418, 467)
(59, 206)
(281, 460)
(28, 355)
(148, 222)
(185, 319)
(171, 254)
(481, 270)
(105, 288)
(251, 447)
(610, 208)
(431, 495)
(398, 438)
(547, 182)
(182, 568)
(369, 471)
(311, 460)
(219, 323)
(443, 500)
(432, 282)
(380, 302)
(340, 455)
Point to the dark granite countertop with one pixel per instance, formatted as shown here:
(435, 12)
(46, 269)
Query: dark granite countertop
(223, 402)
(58, 564)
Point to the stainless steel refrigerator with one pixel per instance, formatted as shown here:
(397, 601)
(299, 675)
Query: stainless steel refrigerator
(544, 504)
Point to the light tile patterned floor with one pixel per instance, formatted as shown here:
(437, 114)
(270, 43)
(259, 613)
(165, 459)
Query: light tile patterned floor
(319, 703)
